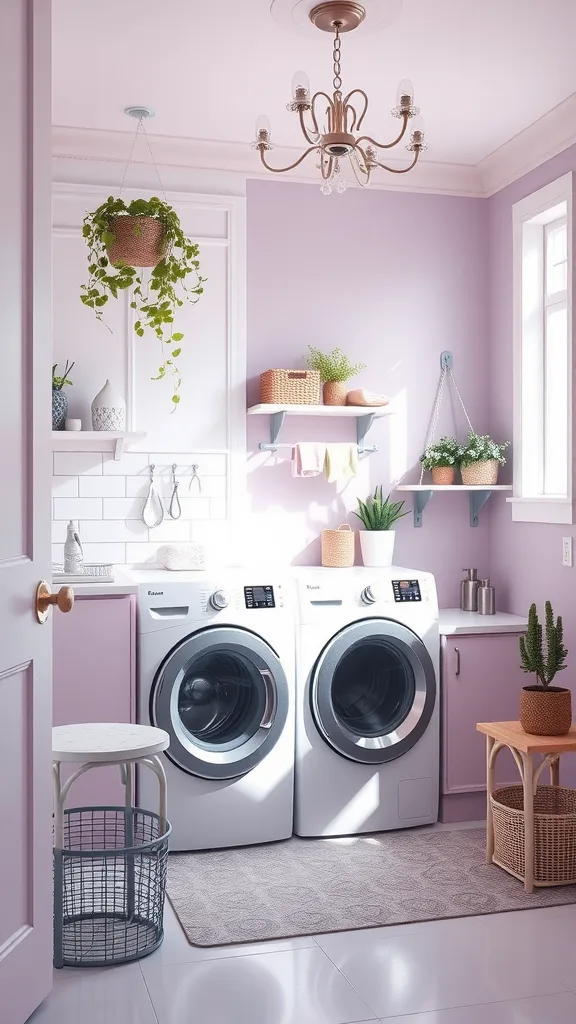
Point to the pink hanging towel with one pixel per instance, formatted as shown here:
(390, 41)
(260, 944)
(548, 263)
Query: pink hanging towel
(308, 459)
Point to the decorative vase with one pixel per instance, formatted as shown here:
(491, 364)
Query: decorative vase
(138, 241)
(334, 392)
(443, 475)
(546, 711)
(377, 547)
(108, 410)
(59, 408)
(480, 473)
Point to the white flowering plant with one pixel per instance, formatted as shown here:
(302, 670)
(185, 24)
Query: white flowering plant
(481, 448)
(445, 452)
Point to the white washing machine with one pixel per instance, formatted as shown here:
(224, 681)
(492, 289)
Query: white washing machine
(367, 700)
(216, 671)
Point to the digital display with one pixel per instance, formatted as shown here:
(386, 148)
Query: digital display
(406, 590)
(259, 597)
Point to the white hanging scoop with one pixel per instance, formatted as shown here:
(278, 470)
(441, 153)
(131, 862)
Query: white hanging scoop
(153, 512)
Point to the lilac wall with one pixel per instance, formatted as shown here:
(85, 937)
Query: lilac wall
(392, 278)
(525, 558)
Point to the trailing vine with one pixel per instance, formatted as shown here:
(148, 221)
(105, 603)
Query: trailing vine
(155, 299)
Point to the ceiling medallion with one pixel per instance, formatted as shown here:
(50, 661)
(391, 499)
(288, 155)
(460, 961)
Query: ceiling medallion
(342, 115)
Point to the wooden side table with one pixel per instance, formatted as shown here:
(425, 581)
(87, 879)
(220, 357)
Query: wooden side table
(523, 746)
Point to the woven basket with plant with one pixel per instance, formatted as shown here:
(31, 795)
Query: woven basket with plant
(442, 459)
(545, 710)
(335, 369)
(480, 460)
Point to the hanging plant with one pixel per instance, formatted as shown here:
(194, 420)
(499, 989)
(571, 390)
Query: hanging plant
(122, 238)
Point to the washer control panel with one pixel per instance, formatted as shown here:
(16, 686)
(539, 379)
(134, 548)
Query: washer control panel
(259, 597)
(406, 590)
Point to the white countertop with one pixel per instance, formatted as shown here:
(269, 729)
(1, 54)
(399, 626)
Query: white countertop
(454, 621)
(100, 588)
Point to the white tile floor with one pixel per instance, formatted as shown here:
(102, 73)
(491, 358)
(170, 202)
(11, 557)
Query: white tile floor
(517, 968)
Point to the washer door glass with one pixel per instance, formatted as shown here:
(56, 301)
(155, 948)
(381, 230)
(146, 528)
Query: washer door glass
(222, 695)
(373, 690)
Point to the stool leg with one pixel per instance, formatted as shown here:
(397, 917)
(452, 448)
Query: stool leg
(555, 771)
(528, 773)
(129, 839)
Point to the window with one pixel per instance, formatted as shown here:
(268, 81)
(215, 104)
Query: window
(542, 226)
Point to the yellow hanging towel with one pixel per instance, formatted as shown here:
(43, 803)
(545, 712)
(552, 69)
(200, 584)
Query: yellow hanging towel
(341, 462)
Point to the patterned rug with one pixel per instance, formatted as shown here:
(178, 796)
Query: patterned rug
(308, 886)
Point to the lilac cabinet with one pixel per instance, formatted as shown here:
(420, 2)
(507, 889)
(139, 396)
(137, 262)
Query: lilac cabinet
(481, 682)
(94, 679)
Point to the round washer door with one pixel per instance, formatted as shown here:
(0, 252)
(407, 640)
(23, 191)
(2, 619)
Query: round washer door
(222, 695)
(373, 691)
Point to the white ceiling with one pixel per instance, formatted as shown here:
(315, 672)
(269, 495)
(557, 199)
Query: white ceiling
(483, 70)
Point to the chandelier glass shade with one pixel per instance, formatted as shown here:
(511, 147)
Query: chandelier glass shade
(331, 125)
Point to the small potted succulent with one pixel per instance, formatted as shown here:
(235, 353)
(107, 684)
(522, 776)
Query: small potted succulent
(335, 369)
(123, 238)
(545, 710)
(442, 459)
(480, 460)
(59, 399)
(378, 516)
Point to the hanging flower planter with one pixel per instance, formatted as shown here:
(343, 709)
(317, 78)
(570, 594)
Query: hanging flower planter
(138, 241)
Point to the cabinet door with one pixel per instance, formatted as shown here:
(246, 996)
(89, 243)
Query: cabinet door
(485, 689)
(94, 661)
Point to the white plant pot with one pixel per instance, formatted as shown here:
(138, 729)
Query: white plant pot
(377, 547)
(108, 410)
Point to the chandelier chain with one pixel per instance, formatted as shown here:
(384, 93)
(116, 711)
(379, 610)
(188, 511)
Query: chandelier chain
(337, 81)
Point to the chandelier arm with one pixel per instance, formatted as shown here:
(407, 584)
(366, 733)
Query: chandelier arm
(387, 145)
(359, 92)
(329, 111)
(326, 165)
(349, 108)
(361, 173)
(401, 170)
(309, 138)
(281, 170)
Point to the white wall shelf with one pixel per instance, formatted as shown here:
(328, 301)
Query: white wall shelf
(479, 495)
(95, 441)
(364, 416)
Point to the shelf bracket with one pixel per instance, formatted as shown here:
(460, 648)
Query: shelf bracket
(421, 499)
(118, 449)
(276, 422)
(477, 500)
(363, 424)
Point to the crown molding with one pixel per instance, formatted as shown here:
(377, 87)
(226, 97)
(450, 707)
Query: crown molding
(539, 142)
(238, 159)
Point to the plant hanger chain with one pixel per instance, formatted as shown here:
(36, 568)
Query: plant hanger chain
(141, 129)
(446, 377)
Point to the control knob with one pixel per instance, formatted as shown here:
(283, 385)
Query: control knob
(219, 600)
(369, 595)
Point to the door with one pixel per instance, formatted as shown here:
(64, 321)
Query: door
(25, 645)
(222, 695)
(481, 682)
(373, 691)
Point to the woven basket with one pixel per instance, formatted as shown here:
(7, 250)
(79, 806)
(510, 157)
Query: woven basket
(290, 387)
(554, 833)
(139, 241)
(546, 712)
(443, 475)
(338, 547)
(480, 473)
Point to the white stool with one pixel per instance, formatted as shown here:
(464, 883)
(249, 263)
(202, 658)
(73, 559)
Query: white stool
(94, 745)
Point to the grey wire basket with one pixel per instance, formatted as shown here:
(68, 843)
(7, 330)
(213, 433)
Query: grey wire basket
(109, 886)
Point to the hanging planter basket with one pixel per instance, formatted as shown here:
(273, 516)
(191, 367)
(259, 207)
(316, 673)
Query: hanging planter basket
(479, 474)
(138, 241)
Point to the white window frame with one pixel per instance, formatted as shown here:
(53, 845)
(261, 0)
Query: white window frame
(530, 219)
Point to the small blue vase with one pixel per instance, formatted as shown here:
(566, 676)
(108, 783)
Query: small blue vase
(59, 409)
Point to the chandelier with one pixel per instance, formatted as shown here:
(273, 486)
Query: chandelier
(342, 116)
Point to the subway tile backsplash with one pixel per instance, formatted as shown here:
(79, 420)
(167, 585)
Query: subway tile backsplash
(106, 499)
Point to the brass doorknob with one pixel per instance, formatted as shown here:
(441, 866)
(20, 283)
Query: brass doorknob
(64, 600)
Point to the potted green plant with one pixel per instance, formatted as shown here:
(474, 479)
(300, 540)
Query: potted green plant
(442, 459)
(59, 398)
(545, 710)
(335, 369)
(378, 516)
(480, 460)
(123, 238)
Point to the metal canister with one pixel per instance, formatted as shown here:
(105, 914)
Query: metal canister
(486, 598)
(469, 591)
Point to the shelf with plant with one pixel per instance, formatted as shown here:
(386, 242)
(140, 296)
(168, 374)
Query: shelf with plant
(335, 368)
(123, 239)
(378, 516)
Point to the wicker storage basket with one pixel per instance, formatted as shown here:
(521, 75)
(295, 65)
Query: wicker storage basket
(554, 833)
(139, 241)
(479, 474)
(290, 387)
(338, 547)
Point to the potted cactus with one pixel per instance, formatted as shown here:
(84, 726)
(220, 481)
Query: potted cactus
(545, 710)
(377, 538)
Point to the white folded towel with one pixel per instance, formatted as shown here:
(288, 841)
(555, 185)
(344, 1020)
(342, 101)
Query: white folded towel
(341, 462)
(308, 459)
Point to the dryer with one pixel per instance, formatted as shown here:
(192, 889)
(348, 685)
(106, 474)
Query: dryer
(216, 671)
(367, 711)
